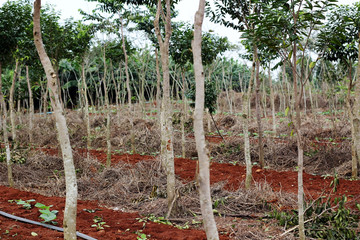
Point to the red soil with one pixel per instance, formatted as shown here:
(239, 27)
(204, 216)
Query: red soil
(119, 222)
(122, 225)
(314, 186)
(233, 175)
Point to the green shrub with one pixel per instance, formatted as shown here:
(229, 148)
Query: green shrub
(323, 220)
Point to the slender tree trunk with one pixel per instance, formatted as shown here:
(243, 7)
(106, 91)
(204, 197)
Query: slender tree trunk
(115, 87)
(354, 167)
(272, 102)
(69, 223)
(132, 134)
(108, 112)
(158, 83)
(258, 114)
(86, 112)
(297, 125)
(357, 113)
(356, 121)
(31, 107)
(46, 99)
(11, 105)
(226, 90)
(203, 153)
(311, 98)
(246, 119)
(264, 99)
(5, 134)
(167, 151)
(183, 116)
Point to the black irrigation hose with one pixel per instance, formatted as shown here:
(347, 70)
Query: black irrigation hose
(24, 220)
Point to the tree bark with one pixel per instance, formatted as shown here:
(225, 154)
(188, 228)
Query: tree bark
(132, 134)
(31, 107)
(108, 111)
(158, 83)
(258, 114)
(11, 104)
(69, 223)
(297, 126)
(86, 112)
(167, 151)
(356, 121)
(246, 119)
(203, 153)
(183, 116)
(272, 102)
(5, 134)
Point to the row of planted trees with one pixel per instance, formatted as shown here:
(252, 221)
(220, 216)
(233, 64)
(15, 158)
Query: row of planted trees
(74, 43)
(83, 72)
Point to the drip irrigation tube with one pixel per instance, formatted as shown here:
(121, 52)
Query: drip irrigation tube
(24, 220)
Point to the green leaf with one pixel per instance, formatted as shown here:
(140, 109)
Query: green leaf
(287, 111)
(42, 206)
(301, 47)
(290, 54)
(312, 65)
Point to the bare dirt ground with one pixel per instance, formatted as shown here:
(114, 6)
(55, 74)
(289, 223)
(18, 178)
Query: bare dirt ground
(131, 195)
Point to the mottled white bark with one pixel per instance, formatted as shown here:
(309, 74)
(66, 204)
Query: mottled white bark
(203, 153)
(31, 106)
(167, 151)
(246, 119)
(69, 223)
(297, 126)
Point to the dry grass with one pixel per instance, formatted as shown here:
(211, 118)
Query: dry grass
(142, 188)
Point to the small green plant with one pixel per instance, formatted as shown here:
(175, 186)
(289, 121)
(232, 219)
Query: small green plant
(25, 204)
(17, 156)
(47, 215)
(91, 210)
(99, 224)
(141, 236)
(161, 220)
(335, 182)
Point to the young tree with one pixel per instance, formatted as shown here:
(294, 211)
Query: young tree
(286, 25)
(338, 39)
(69, 223)
(167, 150)
(14, 22)
(235, 14)
(204, 160)
(5, 133)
